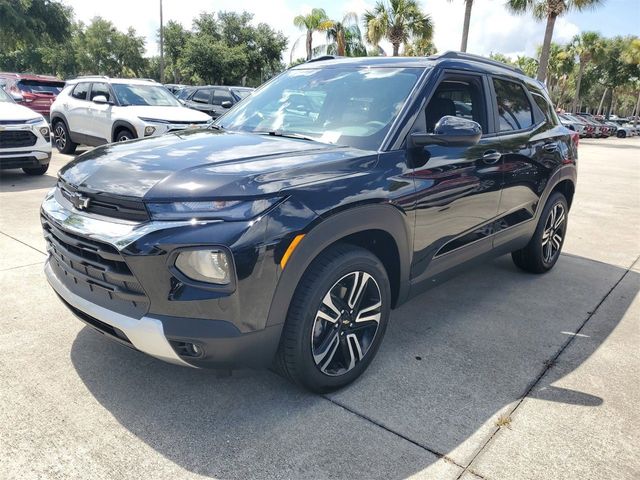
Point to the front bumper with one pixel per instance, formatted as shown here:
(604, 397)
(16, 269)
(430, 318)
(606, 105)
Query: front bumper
(228, 326)
(35, 155)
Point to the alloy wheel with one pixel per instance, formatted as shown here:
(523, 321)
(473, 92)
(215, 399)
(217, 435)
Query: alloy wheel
(346, 323)
(60, 137)
(553, 233)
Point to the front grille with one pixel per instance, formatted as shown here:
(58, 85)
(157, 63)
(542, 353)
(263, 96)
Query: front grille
(107, 205)
(17, 138)
(94, 270)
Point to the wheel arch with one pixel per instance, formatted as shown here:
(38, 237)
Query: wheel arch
(381, 229)
(122, 125)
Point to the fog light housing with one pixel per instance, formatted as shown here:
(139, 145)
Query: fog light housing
(149, 131)
(208, 266)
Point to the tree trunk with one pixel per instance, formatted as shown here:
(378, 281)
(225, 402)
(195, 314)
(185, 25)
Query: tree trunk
(340, 40)
(574, 107)
(546, 48)
(636, 111)
(396, 49)
(309, 44)
(612, 103)
(604, 94)
(465, 28)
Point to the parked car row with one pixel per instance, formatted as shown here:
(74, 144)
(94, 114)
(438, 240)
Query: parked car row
(214, 100)
(590, 126)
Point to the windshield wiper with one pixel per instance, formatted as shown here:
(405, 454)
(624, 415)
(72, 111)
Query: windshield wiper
(215, 126)
(280, 133)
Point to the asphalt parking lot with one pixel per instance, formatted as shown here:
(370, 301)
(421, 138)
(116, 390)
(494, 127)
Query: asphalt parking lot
(496, 374)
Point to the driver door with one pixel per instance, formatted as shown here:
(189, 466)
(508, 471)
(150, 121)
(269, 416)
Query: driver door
(457, 187)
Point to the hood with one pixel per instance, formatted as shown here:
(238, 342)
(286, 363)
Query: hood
(201, 164)
(169, 114)
(13, 111)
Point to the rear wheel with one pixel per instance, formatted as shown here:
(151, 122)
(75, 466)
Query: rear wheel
(336, 320)
(41, 170)
(62, 139)
(621, 134)
(543, 250)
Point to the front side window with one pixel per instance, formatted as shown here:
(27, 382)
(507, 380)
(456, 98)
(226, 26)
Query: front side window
(459, 97)
(150, 95)
(343, 105)
(80, 91)
(514, 109)
(202, 96)
(100, 89)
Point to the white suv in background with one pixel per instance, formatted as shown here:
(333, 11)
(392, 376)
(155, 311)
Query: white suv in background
(24, 138)
(97, 110)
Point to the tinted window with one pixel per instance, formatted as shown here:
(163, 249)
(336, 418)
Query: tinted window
(80, 91)
(514, 109)
(545, 107)
(40, 86)
(201, 96)
(221, 95)
(460, 97)
(100, 89)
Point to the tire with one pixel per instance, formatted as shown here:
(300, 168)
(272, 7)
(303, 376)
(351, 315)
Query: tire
(123, 135)
(41, 170)
(621, 134)
(322, 347)
(543, 250)
(62, 139)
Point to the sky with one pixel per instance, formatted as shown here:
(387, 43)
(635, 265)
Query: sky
(493, 29)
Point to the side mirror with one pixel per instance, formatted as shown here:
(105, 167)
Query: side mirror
(16, 96)
(100, 99)
(226, 104)
(450, 131)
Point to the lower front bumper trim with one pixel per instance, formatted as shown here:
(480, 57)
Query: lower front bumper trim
(145, 334)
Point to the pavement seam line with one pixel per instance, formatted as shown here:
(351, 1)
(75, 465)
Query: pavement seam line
(400, 435)
(23, 243)
(550, 364)
(21, 266)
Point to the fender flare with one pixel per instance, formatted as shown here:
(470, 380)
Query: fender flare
(122, 123)
(383, 217)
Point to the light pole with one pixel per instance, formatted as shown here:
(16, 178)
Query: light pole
(161, 47)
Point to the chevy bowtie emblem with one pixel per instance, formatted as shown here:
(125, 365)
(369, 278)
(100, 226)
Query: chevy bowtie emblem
(79, 201)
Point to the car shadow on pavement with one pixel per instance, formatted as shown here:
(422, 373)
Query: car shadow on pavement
(453, 359)
(17, 181)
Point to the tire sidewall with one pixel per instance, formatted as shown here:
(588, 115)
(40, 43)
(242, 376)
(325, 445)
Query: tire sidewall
(551, 203)
(309, 372)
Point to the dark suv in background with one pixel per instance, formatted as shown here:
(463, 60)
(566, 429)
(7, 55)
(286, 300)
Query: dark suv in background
(287, 232)
(37, 92)
(215, 101)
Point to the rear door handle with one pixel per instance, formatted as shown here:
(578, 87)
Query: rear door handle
(550, 147)
(491, 156)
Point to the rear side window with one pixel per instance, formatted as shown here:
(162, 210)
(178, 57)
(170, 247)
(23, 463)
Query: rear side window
(514, 109)
(201, 96)
(80, 91)
(222, 96)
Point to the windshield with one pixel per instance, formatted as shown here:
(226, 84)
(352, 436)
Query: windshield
(152, 95)
(346, 106)
(5, 97)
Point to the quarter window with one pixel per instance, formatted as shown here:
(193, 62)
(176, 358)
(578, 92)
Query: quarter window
(514, 109)
(80, 91)
(545, 107)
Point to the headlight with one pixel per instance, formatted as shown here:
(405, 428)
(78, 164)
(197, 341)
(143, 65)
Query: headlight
(149, 130)
(34, 121)
(213, 209)
(209, 266)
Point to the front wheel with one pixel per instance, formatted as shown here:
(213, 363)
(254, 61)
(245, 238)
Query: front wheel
(41, 170)
(124, 135)
(336, 319)
(543, 250)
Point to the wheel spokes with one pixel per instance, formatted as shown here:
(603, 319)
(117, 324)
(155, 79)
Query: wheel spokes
(369, 313)
(360, 281)
(334, 312)
(327, 350)
(559, 218)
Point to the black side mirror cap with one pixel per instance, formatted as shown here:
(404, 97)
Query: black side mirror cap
(450, 131)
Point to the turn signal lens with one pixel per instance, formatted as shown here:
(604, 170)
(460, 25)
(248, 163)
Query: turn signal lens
(210, 266)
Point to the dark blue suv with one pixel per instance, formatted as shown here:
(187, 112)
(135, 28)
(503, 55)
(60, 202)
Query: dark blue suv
(285, 233)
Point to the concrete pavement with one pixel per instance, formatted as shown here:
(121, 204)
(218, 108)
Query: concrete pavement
(552, 359)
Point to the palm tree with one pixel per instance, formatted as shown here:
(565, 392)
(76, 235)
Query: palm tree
(465, 27)
(551, 10)
(311, 23)
(397, 21)
(586, 46)
(344, 35)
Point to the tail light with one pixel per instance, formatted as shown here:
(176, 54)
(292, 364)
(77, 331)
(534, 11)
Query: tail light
(28, 97)
(575, 137)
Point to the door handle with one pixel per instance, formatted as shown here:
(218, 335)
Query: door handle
(550, 147)
(491, 156)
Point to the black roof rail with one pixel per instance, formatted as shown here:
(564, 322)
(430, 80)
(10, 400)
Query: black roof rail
(475, 58)
(323, 57)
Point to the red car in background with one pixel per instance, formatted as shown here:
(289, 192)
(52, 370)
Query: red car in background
(37, 92)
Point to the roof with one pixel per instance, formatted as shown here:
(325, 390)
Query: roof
(30, 76)
(450, 59)
(104, 78)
